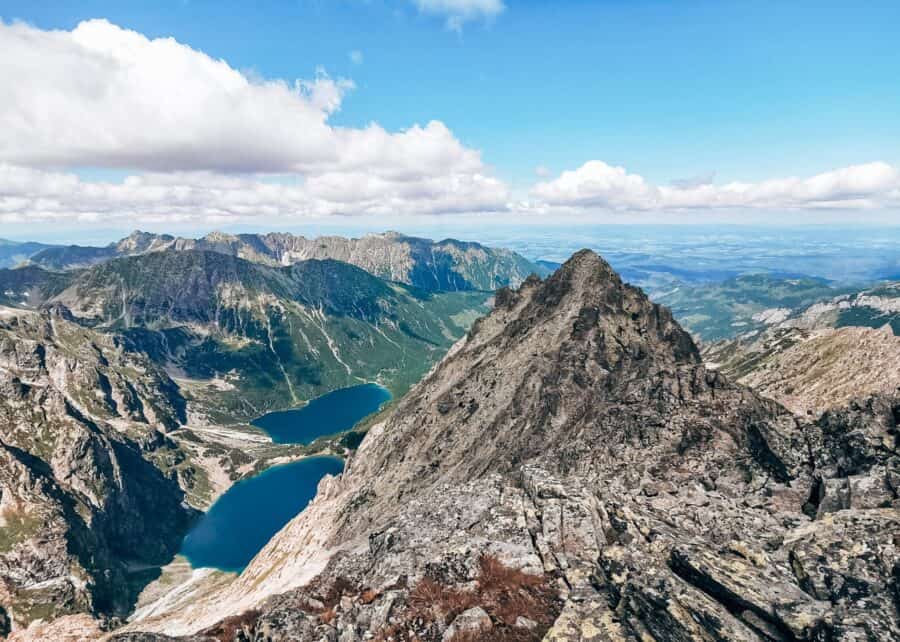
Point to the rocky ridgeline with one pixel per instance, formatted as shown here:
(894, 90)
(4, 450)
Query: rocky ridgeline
(82, 494)
(447, 265)
(572, 471)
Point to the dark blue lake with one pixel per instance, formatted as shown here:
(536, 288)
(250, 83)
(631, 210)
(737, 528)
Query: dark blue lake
(246, 517)
(332, 413)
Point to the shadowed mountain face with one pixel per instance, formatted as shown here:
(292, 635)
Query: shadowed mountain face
(268, 337)
(572, 469)
(447, 265)
(82, 492)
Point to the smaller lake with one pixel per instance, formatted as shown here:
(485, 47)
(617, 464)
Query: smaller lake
(245, 517)
(329, 414)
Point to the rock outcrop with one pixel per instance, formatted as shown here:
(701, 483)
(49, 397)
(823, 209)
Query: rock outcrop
(83, 496)
(572, 471)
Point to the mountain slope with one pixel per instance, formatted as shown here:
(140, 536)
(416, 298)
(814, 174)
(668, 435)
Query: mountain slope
(271, 337)
(12, 252)
(82, 493)
(813, 370)
(29, 286)
(448, 265)
(750, 302)
(572, 469)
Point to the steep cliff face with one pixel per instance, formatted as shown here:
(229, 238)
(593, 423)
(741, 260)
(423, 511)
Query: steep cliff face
(447, 265)
(80, 421)
(572, 470)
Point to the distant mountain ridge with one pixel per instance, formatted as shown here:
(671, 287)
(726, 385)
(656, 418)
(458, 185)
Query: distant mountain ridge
(276, 335)
(812, 371)
(447, 265)
(14, 252)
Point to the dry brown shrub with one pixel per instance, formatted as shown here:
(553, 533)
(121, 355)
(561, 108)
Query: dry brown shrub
(228, 629)
(327, 616)
(368, 596)
(505, 593)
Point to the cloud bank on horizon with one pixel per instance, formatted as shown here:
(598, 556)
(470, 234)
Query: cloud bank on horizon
(205, 142)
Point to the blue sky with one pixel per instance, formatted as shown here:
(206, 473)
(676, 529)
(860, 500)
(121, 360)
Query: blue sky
(699, 90)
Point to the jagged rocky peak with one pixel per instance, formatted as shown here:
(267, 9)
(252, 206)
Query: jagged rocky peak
(603, 309)
(138, 242)
(572, 470)
(580, 372)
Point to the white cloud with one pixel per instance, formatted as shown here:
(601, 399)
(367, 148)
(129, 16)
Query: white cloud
(103, 96)
(31, 195)
(596, 186)
(356, 57)
(458, 12)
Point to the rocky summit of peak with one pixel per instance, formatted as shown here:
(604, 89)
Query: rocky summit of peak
(572, 470)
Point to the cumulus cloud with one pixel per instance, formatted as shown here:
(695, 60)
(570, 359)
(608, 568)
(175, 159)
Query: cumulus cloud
(103, 96)
(458, 12)
(100, 95)
(356, 57)
(599, 186)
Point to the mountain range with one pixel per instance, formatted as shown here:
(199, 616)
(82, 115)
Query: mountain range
(572, 471)
(272, 336)
(559, 462)
(447, 265)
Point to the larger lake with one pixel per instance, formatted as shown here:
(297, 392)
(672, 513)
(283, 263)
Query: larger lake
(329, 414)
(246, 517)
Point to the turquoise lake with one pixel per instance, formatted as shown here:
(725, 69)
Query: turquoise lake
(332, 413)
(245, 517)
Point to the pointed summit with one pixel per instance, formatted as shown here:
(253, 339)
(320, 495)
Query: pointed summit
(577, 375)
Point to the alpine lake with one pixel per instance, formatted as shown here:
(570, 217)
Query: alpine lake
(247, 515)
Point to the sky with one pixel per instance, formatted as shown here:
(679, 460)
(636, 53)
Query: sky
(391, 113)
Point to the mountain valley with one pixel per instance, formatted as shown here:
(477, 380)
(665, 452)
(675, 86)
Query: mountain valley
(557, 461)
(572, 471)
